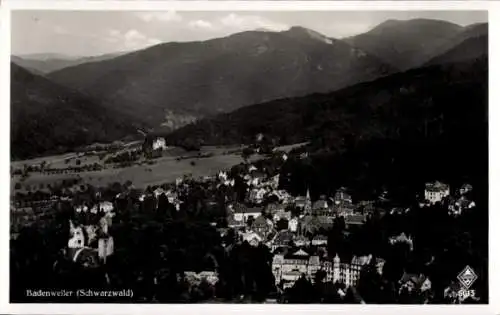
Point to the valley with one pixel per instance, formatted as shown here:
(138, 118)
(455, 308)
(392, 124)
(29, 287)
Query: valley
(261, 166)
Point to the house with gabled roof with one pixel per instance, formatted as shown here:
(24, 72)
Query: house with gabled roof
(342, 196)
(319, 240)
(290, 267)
(321, 207)
(301, 240)
(242, 213)
(262, 226)
(402, 238)
(354, 220)
(257, 195)
(414, 282)
(436, 191)
(281, 239)
(251, 237)
(293, 224)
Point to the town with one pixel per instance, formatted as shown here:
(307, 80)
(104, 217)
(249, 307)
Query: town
(240, 235)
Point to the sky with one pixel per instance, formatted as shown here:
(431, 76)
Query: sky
(90, 33)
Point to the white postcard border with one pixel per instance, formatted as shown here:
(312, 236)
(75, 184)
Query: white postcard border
(131, 5)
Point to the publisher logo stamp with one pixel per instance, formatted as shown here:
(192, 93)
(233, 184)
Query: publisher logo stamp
(467, 277)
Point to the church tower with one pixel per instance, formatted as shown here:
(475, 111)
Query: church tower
(308, 204)
(336, 268)
(105, 245)
(77, 238)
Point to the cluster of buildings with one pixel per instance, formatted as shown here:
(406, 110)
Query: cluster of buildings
(289, 267)
(171, 195)
(456, 202)
(293, 228)
(90, 242)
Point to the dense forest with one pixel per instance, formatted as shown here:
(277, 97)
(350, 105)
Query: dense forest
(404, 129)
(420, 102)
(47, 118)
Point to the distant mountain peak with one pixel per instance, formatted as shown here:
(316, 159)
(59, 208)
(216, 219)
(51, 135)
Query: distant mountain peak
(263, 29)
(406, 43)
(394, 24)
(477, 25)
(299, 31)
(389, 23)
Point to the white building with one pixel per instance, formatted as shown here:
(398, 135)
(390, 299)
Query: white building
(222, 175)
(435, 192)
(251, 237)
(77, 238)
(289, 268)
(105, 247)
(319, 240)
(342, 197)
(159, 144)
(257, 195)
(293, 224)
(82, 208)
(241, 213)
(178, 181)
(106, 206)
(158, 192)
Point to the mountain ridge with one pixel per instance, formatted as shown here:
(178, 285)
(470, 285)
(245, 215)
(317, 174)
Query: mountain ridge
(285, 118)
(219, 75)
(406, 43)
(471, 48)
(48, 63)
(49, 118)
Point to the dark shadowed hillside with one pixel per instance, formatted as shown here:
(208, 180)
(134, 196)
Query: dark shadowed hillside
(27, 66)
(469, 32)
(44, 64)
(49, 118)
(407, 44)
(472, 48)
(413, 126)
(376, 108)
(220, 75)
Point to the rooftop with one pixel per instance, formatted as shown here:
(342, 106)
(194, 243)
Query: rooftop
(355, 219)
(320, 204)
(436, 186)
(241, 208)
(418, 280)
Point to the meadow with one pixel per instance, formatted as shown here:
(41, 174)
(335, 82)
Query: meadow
(174, 163)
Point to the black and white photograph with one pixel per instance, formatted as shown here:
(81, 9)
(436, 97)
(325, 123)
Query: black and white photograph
(249, 157)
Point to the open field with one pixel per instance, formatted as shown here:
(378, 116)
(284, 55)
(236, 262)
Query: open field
(166, 169)
(288, 148)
